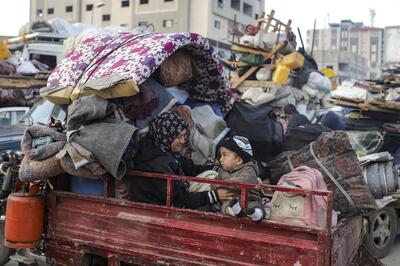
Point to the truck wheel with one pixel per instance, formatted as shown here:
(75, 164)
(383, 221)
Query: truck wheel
(5, 252)
(382, 231)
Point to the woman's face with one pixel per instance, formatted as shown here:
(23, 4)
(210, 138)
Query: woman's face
(179, 141)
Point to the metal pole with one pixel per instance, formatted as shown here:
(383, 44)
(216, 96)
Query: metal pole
(313, 36)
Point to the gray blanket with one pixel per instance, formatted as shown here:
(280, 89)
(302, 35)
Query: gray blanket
(100, 132)
(44, 151)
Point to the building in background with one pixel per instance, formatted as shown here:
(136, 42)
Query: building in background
(350, 48)
(391, 45)
(210, 18)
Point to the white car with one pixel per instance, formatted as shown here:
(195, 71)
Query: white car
(11, 115)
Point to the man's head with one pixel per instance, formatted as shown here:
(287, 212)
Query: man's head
(290, 109)
(235, 151)
(169, 131)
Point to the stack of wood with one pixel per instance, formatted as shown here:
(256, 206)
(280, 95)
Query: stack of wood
(37, 81)
(266, 24)
(379, 89)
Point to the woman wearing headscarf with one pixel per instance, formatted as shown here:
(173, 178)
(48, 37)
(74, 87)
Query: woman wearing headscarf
(159, 152)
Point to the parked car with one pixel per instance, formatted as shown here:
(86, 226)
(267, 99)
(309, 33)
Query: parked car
(40, 113)
(11, 115)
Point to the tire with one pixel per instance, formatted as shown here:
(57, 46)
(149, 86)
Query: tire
(382, 231)
(5, 252)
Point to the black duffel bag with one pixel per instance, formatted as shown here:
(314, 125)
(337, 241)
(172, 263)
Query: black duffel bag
(260, 125)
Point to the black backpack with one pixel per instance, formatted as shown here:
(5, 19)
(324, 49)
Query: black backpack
(260, 125)
(301, 136)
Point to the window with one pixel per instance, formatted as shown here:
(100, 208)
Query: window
(256, 16)
(124, 25)
(125, 3)
(144, 2)
(221, 3)
(217, 24)
(68, 9)
(89, 7)
(106, 17)
(143, 23)
(248, 9)
(5, 118)
(39, 12)
(235, 4)
(50, 11)
(168, 0)
(167, 23)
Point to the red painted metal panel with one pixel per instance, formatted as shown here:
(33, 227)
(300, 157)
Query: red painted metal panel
(145, 233)
(177, 237)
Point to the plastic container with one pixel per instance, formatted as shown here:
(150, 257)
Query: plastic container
(4, 52)
(87, 186)
(24, 221)
(293, 60)
(281, 74)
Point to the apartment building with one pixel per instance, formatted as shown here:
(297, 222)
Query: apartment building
(391, 45)
(210, 18)
(350, 48)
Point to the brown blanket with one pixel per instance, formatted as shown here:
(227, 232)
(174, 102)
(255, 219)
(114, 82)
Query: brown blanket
(334, 151)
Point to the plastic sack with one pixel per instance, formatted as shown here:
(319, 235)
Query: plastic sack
(319, 82)
(365, 142)
(247, 40)
(264, 73)
(26, 67)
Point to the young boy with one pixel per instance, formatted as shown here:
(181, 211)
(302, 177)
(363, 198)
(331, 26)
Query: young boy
(237, 164)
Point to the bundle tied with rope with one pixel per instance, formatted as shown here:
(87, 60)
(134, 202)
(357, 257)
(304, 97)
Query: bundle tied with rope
(334, 157)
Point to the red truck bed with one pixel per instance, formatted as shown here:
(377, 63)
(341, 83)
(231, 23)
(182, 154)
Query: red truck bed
(140, 233)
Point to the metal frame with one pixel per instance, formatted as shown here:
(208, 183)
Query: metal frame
(145, 233)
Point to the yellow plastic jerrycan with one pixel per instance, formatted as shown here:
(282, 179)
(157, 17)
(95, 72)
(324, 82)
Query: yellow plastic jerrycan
(293, 60)
(4, 52)
(281, 74)
(287, 63)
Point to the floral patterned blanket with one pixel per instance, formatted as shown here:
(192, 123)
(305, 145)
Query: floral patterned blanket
(108, 58)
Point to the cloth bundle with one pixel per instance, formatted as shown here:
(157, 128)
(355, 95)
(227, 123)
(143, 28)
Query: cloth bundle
(91, 123)
(48, 154)
(40, 162)
(140, 105)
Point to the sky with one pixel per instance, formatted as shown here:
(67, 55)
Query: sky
(302, 12)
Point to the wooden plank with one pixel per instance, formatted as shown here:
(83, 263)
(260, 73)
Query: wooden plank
(244, 76)
(392, 105)
(260, 19)
(288, 25)
(369, 107)
(246, 49)
(21, 82)
(352, 100)
(269, 20)
(258, 83)
(344, 103)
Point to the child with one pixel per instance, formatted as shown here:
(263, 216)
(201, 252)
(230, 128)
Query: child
(237, 164)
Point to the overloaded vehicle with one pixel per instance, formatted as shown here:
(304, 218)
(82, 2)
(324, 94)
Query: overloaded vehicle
(85, 180)
(139, 154)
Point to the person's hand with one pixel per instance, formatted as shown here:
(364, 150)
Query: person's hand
(224, 194)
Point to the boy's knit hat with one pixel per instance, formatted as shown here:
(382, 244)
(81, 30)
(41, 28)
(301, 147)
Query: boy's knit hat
(240, 145)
